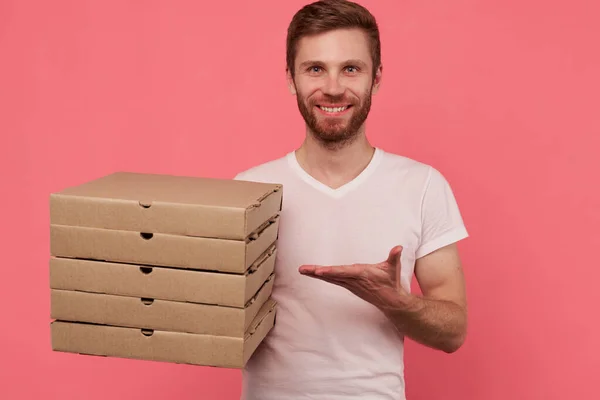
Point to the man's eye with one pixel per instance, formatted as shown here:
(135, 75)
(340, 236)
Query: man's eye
(315, 69)
(352, 69)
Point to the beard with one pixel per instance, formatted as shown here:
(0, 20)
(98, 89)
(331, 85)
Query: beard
(335, 132)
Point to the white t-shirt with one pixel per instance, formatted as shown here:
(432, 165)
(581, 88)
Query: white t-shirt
(327, 343)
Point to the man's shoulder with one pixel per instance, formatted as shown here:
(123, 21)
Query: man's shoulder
(266, 171)
(418, 175)
(403, 160)
(407, 166)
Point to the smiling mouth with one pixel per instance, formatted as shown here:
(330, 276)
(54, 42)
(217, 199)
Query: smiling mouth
(333, 110)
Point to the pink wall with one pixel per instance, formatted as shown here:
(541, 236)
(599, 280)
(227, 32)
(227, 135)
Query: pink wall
(502, 96)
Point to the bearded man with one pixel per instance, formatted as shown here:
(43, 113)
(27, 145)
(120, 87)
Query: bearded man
(357, 223)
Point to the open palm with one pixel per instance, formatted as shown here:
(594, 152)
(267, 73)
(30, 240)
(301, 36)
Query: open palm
(375, 283)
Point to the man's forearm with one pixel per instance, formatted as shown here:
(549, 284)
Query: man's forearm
(438, 324)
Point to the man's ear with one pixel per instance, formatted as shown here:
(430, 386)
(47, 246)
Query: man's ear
(377, 80)
(290, 81)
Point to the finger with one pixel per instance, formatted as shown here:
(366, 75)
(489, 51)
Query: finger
(394, 256)
(307, 269)
(315, 269)
(340, 271)
(321, 270)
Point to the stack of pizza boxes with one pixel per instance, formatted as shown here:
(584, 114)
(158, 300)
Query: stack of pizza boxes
(164, 268)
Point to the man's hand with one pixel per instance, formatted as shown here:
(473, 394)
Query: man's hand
(437, 319)
(375, 283)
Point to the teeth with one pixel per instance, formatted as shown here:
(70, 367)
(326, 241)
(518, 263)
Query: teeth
(333, 109)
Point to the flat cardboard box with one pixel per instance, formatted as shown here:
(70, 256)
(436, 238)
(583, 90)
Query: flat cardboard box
(165, 283)
(163, 315)
(162, 249)
(165, 346)
(167, 204)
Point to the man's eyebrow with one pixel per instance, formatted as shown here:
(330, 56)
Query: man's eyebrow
(309, 63)
(356, 62)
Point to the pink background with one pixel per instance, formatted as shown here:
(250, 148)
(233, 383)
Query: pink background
(501, 96)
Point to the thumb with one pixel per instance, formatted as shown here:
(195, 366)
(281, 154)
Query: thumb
(394, 257)
(394, 264)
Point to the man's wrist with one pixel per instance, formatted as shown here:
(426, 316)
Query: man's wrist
(405, 305)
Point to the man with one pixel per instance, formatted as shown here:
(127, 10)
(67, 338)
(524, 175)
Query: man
(357, 222)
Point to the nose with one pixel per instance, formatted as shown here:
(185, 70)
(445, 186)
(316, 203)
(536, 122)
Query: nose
(332, 85)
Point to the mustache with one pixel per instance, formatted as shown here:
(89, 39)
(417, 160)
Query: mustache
(333, 99)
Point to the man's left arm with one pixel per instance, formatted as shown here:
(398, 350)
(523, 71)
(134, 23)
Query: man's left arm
(438, 317)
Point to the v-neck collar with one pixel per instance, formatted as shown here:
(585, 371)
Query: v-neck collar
(342, 190)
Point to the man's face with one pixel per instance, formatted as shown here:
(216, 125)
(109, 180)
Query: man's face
(334, 84)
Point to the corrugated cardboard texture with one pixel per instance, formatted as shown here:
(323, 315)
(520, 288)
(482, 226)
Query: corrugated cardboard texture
(176, 205)
(176, 347)
(234, 290)
(164, 315)
(160, 249)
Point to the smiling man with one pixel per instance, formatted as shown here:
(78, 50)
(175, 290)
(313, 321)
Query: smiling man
(357, 224)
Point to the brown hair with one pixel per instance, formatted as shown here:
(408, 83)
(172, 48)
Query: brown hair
(327, 15)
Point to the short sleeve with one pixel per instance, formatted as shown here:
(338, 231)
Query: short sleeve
(441, 220)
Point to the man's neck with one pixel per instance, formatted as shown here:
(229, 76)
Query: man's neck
(337, 166)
